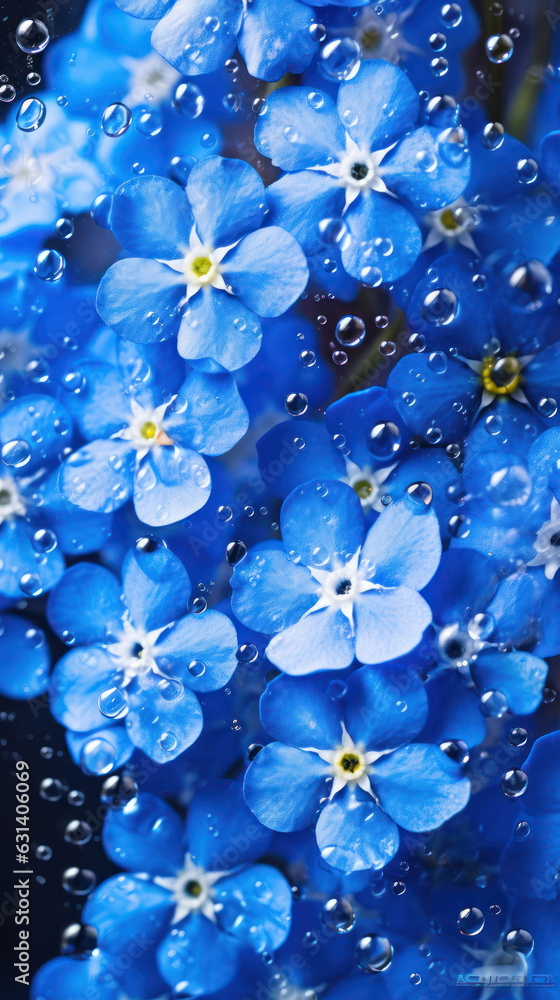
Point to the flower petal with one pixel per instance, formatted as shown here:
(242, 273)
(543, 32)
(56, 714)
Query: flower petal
(151, 217)
(403, 545)
(227, 199)
(353, 833)
(283, 787)
(420, 787)
(267, 271)
(300, 128)
(139, 299)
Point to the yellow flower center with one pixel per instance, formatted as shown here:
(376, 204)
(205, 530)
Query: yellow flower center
(350, 762)
(448, 220)
(363, 488)
(201, 266)
(370, 38)
(193, 888)
(501, 376)
(148, 430)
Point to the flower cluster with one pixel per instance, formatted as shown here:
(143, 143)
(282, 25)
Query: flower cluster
(280, 490)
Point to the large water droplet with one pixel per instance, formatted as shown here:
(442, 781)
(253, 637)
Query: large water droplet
(32, 35)
(116, 120)
(49, 265)
(188, 100)
(374, 953)
(470, 921)
(31, 114)
(338, 915)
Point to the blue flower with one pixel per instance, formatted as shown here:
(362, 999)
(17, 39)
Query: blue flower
(203, 269)
(363, 160)
(489, 342)
(479, 622)
(532, 857)
(37, 526)
(200, 35)
(336, 592)
(346, 762)
(145, 434)
(54, 162)
(140, 659)
(200, 898)
(25, 658)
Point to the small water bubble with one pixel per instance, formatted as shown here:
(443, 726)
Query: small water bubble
(527, 170)
(31, 585)
(253, 750)
(340, 357)
(64, 228)
(415, 978)
(75, 797)
(44, 541)
(338, 915)
(340, 58)
(116, 120)
(451, 15)
(188, 100)
(32, 35)
(16, 453)
(78, 881)
(374, 953)
(78, 832)
(518, 940)
(470, 921)
(112, 703)
(31, 114)
(98, 756)
(118, 790)
(196, 668)
(49, 265)
(493, 135)
(499, 48)
(493, 704)
(514, 782)
(235, 552)
(517, 737)
(350, 331)
(439, 306)
(51, 789)
(384, 440)
(7, 93)
(521, 830)
(43, 852)
(296, 404)
(78, 939)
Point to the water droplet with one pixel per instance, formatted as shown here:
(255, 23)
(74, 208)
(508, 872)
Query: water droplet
(118, 790)
(196, 668)
(384, 440)
(16, 453)
(188, 100)
(451, 15)
(30, 584)
(527, 170)
(499, 48)
(338, 915)
(514, 783)
(253, 750)
(493, 704)
(340, 58)
(43, 852)
(51, 789)
(521, 830)
(112, 703)
(167, 742)
(33, 79)
(78, 832)
(518, 940)
(64, 228)
(78, 939)
(235, 552)
(374, 953)
(32, 35)
(49, 265)
(517, 737)
(470, 921)
(350, 331)
(296, 404)
(31, 114)
(44, 540)
(98, 756)
(439, 306)
(7, 93)
(116, 120)
(78, 881)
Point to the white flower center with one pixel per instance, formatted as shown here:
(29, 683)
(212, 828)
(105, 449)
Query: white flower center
(146, 428)
(341, 586)
(547, 543)
(193, 890)
(349, 763)
(134, 651)
(151, 79)
(367, 483)
(200, 266)
(11, 503)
